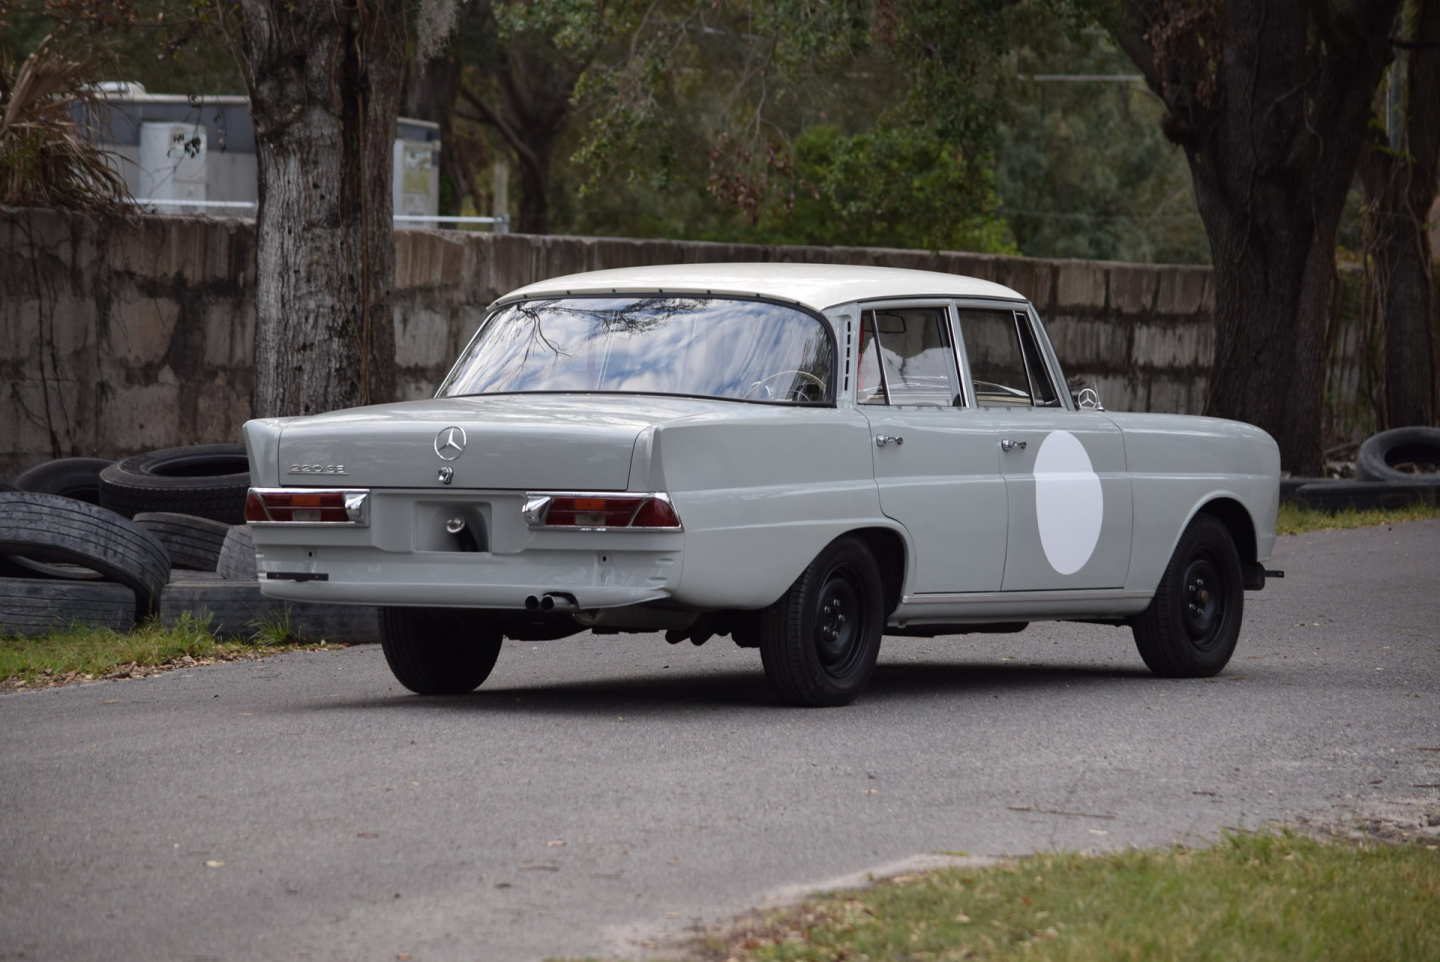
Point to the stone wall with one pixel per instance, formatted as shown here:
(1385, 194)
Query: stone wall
(118, 338)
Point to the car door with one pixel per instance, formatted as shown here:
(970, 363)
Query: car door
(937, 471)
(1069, 496)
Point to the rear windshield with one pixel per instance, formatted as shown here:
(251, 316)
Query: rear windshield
(717, 347)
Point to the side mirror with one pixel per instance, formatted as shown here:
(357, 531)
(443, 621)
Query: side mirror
(1087, 399)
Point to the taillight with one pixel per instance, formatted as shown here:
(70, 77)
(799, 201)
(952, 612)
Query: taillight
(299, 506)
(601, 511)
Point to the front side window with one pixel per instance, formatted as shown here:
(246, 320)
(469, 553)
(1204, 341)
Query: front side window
(717, 347)
(1005, 364)
(906, 357)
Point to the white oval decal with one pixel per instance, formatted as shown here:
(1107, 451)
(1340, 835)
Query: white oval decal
(1069, 505)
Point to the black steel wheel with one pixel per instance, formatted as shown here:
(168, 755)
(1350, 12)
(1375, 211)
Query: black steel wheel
(819, 642)
(1193, 622)
(439, 651)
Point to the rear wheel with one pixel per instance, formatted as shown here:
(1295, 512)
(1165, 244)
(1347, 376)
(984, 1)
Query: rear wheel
(820, 640)
(1193, 622)
(439, 651)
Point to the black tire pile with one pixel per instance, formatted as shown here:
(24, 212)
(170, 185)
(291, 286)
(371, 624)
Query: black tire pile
(1394, 469)
(85, 541)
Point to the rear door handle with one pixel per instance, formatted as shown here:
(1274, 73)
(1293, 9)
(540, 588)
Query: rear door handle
(881, 440)
(1008, 445)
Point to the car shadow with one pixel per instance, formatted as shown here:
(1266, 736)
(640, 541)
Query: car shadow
(675, 693)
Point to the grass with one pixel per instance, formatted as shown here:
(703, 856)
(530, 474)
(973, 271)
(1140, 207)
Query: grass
(1294, 519)
(85, 653)
(1250, 898)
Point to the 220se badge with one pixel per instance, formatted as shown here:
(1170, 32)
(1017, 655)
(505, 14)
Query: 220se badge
(805, 458)
(335, 469)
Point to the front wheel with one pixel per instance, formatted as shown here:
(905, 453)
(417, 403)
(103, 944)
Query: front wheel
(819, 642)
(1193, 622)
(439, 651)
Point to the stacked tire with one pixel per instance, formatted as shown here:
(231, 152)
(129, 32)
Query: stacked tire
(69, 561)
(1395, 469)
(86, 541)
(205, 481)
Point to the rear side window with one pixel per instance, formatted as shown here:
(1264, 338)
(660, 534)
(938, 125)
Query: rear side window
(907, 357)
(1006, 368)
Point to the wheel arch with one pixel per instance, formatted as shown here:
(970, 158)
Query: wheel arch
(890, 551)
(1237, 521)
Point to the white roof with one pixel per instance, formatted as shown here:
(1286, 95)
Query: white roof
(814, 285)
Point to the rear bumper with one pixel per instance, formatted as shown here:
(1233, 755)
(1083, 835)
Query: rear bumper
(603, 578)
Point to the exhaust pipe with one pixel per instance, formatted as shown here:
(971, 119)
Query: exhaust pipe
(557, 601)
(532, 603)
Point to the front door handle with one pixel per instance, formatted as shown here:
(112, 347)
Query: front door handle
(1008, 445)
(881, 440)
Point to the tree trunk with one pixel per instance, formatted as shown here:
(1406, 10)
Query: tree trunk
(324, 82)
(1274, 287)
(534, 214)
(1270, 102)
(1399, 175)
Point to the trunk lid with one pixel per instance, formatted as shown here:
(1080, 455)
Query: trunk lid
(526, 441)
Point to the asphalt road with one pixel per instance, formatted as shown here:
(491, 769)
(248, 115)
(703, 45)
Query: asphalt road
(601, 789)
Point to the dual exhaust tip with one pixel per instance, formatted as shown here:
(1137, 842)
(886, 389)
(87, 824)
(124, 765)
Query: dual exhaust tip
(552, 601)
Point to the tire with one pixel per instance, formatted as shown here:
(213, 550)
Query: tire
(1290, 488)
(819, 642)
(439, 651)
(205, 480)
(41, 606)
(1380, 453)
(192, 543)
(1365, 495)
(1192, 624)
(77, 478)
(236, 561)
(49, 528)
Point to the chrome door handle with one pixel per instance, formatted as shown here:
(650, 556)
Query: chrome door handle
(1008, 445)
(881, 440)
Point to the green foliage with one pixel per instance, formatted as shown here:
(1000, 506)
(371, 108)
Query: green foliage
(888, 187)
(777, 123)
(576, 26)
(1082, 167)
(915, 124)
(170, 46)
